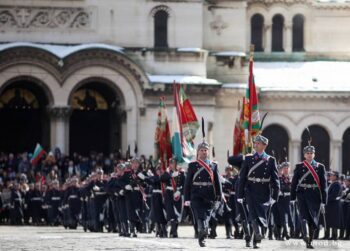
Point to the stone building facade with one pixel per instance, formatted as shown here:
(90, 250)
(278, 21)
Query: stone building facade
(89, 73)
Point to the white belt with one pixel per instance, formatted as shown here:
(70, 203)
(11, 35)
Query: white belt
(170, 188)
(100, 193)
(36, 198)
(56, 198)
(136, 188)
(286, 194)
(72, 197)
(232, 193)
(308, 185)
(259, 180)
(227, 194)
(18, 199)
(156, 191)
(202, 183)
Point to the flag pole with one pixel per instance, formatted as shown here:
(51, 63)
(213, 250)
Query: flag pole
(251, 58)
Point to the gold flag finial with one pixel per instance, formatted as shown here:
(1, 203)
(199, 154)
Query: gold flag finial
(251, 56)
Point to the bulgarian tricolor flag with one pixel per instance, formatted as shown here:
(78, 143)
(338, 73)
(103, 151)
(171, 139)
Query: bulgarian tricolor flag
(185, 126)
(38, 153)
(251, 107)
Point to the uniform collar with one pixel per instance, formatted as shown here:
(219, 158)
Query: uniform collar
(262, 156)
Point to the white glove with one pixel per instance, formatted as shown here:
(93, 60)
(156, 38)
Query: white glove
(141, 176)
(187, 203)
(240, 200)
(177, 195)
(121, 192)
(322, 208)
(270, 202)
(150, 173)
(96, 188)
(128, 187)
(175, 174)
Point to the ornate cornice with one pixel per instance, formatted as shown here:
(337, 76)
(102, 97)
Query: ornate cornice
(332, 5)
(61, 69)
(285, 2)
(307, 95)
(29, 17)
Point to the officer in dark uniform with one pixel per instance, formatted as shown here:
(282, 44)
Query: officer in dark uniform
(16, 212)
(283, 202)
(168, 179)
(241, 208)
(310, 193)
(157, 215)
(53, 200)
(346, 208)
(98, 187)
(256, 179)
(334, 211)
(202, 190)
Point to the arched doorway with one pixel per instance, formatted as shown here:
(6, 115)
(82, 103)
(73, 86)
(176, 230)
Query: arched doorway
(24, 121)
(278, 142)
(95, 123)
(346, 151)
(320, 140)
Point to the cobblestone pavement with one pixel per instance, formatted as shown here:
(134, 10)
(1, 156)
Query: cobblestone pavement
(57, 238)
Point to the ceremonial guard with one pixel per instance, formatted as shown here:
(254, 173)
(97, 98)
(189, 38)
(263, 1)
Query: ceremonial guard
(53, 201)
(308, 188)
(283, 203)
(256, 179)
(98, 187)
(72, 203)
(241, 208)
(346, 208)
(202, 190)
(334, 211)
(172, 194)
(229, 212)
(16, 211)
(157, 207)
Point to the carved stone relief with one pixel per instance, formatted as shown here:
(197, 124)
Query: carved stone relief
(23, 17)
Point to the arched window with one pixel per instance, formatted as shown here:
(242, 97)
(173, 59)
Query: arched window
(257, 26)
(346, 151)
(277, 32)
(320, 140)
(298, 33)
(161, 29)
(278, 142)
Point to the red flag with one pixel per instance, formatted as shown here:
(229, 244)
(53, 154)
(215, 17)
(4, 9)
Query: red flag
(162, 136)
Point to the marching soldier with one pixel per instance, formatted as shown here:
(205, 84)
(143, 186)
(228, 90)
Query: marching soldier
(16, 212)
(241, 208)
(309, 189)
(157, 207)
(283, 203)
(53, 201)
(346, 208)
(256, 179)
(202, 190)
(171, 193)
(333, 207)
(98, 189)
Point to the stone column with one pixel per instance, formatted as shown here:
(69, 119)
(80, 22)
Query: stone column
(60, 127)
(294, 152)
(335, 161)
(268, 37)
(287, 37)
